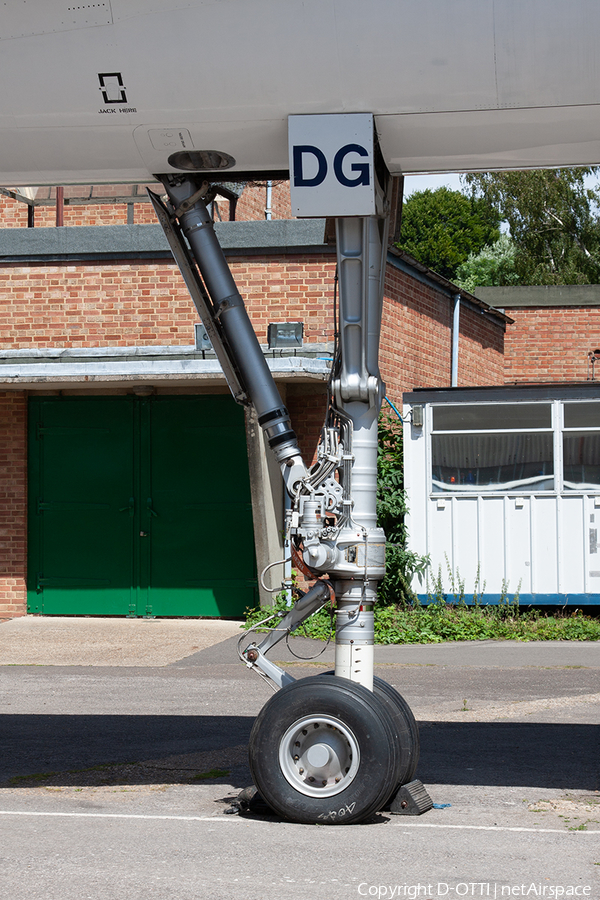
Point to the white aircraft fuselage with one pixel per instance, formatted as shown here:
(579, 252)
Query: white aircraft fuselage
(109, 91)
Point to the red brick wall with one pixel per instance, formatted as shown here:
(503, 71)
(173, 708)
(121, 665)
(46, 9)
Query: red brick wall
(288, 289)
(416, 341)
(101, 305)
(550, 344)
(307, 405)
(146, 302)
(13, 503)
(13, 213)
(251, 206)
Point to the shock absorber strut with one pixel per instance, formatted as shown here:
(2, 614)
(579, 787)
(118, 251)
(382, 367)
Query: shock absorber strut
(358, 390)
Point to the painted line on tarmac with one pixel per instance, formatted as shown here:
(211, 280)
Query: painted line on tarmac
(84, 815)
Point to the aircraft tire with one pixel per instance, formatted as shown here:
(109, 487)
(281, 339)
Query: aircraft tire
(323, 750)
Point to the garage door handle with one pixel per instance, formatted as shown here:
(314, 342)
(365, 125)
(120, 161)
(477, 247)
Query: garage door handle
(149, 507)
(130, 506)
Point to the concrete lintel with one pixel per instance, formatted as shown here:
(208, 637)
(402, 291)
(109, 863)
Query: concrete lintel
(542, 295)
(23, 376)
(173, 373)
(152, 351)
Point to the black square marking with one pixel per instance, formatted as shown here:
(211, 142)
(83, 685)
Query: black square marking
(112, 87)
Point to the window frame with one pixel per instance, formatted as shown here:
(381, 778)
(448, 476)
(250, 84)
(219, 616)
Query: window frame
(480, 490)
(571, 429)
(557, 427)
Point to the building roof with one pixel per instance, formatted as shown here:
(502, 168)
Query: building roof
(580, 390)
(447, 286)
(541, 295)
(98, 242)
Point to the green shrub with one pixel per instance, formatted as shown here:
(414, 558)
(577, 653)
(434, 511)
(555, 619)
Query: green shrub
(401, 564)
(437, 622)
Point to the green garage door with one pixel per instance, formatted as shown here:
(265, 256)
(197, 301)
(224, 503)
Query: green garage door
(139, 506)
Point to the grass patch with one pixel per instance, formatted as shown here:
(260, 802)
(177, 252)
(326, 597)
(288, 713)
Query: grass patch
(439, 622)
(212, 773)
(37, 778)
(99, 767)
(17, 780)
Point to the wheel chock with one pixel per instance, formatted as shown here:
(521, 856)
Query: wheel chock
(250, 801)
(411, 800)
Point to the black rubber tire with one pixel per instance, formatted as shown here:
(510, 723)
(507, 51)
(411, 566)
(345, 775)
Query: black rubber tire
(407, 730)
(368, 719)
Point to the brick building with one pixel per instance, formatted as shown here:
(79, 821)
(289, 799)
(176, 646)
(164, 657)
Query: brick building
(103, 389)
(554, 332)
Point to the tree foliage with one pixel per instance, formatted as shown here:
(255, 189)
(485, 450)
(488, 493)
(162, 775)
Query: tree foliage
(553, 220)
(441, 228)
(494, 265)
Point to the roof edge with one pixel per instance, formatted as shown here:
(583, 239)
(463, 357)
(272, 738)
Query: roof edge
(448, 286)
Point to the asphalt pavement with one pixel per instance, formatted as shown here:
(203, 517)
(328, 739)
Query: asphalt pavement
(123, 743)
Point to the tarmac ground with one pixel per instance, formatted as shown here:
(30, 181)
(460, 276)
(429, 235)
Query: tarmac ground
(123, 742)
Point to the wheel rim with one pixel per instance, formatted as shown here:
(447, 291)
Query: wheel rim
(319, 756)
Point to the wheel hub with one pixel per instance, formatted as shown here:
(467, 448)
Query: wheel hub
(319, 755)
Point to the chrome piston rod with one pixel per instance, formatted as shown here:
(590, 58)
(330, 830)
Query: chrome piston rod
(358, 391)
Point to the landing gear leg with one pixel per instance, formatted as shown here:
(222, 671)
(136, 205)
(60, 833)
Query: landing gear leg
(328, 749)
(312, 753)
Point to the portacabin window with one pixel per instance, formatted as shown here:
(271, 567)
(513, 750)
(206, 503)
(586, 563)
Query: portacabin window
(581, 446)
(492, 447)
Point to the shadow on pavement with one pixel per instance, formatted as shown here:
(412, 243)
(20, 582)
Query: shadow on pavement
(524, 754)
(132, 749)
(179, 749)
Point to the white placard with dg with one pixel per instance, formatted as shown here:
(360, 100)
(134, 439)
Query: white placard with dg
(331, 165)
